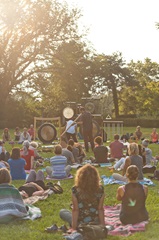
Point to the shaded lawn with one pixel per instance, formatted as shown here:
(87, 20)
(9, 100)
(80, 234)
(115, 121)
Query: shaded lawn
(50, 208)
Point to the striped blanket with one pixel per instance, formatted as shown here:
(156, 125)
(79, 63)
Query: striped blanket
(11, 203)
(111, 214)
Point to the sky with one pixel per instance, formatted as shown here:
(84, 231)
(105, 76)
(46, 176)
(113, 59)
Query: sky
(127, 26)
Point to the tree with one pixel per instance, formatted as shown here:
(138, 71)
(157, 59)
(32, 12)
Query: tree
(30, 33)
(143, 97)
(111, 73)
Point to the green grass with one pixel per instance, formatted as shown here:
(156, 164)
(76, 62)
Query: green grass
(50, 207)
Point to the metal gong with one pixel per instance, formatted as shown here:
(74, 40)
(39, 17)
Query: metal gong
(47, 133)
(89, 106)
(96, 129)
(68, 112)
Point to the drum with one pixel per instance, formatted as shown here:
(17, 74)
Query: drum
(90, 107)
(68, 112)
(96, 129)
(47, 133)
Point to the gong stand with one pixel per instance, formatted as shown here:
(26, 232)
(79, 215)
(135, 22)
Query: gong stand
(57, 119)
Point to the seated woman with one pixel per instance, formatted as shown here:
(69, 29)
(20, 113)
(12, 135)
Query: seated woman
(37, 158)
(87, 197)
(17, 165)
(59, 168)
(6, 135)
(133, 159)
(138, 133)
(11, 202)
(24, 136)
(133, 196)
(28, 155)
(154, 136)
(34, 185)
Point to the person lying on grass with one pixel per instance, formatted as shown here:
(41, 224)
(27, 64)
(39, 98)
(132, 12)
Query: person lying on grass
(34, 185)
(87, 198)
(133, 196)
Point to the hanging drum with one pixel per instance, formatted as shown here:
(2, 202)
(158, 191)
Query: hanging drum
(90, 107)
(96, 129)
(68, 112)
(47, 133)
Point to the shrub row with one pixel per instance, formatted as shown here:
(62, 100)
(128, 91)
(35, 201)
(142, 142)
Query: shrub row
(147, 123)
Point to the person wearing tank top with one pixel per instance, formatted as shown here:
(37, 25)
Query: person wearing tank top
(133, 159)
(133, 196)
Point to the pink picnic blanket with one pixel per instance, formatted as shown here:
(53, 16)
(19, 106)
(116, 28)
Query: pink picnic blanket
(112, 220)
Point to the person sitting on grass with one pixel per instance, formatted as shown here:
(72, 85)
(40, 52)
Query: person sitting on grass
(28, 155)
(100, 151)
(67, 153)
(75, 150)
(59, 168)
(37, 158)
(133, 196)
(17, 134)
(34, 185)
(88, 198)
(11, 202)
(154, 136)
(17, 165)
(24, 136)
(138, 133)
(133, 159)
(31, 131)
(6, 135)
(116, 148)
(148, 153)
(4, 155)
(82, 153)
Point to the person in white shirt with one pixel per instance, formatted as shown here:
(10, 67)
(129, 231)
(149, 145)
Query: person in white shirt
(71, 130)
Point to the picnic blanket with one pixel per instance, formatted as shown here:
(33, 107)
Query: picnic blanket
(105, 164)
(11, 203)
(59, 179)
(34, 199)
(12, 206)
(115, 227)
(32, 213)
(111, 180)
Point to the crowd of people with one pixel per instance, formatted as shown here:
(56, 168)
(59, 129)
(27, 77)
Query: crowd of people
(87, 193)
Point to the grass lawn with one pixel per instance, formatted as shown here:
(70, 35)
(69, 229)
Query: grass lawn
(50, 207)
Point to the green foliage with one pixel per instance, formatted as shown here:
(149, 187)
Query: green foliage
(142, 97)
(111, 73)
(31, 31)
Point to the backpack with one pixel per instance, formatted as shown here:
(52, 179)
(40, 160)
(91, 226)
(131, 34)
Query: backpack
(156, 174)
(93, 231)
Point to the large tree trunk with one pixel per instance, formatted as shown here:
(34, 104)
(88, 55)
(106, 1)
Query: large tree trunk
(115, 99)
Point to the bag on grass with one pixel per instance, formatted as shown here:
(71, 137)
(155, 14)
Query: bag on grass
(156, 174)
(93, 231)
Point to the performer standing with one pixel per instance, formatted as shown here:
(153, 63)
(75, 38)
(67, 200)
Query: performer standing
(86, 121)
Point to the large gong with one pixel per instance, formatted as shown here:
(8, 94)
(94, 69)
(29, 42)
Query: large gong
(90, 107)
(68, 112)
(47, 133)
(96, 129)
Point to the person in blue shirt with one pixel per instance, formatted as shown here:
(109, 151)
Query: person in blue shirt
(17, 164)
